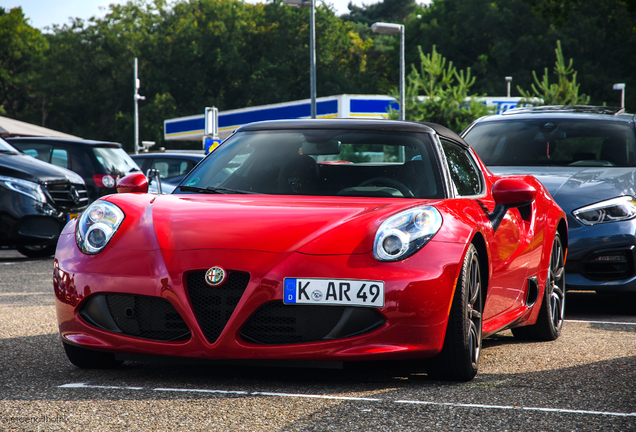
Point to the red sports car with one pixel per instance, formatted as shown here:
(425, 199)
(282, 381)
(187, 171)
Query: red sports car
(323, 240)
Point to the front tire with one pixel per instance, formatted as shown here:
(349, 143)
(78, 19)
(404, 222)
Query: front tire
(550, 321)
(459, 358)
(90, 359)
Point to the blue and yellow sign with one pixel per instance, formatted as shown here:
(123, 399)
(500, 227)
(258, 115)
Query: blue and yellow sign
(209, 144)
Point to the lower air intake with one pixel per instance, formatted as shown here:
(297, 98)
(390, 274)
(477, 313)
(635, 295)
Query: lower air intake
(141, 316)
(277, 324)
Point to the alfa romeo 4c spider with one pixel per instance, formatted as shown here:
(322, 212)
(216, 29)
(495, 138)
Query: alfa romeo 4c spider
(322, 240)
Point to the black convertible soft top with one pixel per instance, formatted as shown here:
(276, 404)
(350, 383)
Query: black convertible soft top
(366, 124)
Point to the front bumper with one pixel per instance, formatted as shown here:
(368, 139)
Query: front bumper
(412, 324)
(601, 257)
(24, 221)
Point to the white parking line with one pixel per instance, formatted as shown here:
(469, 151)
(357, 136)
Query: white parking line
(520, 408)
(601, 322)
(200, 391)
(84, 385)
(292, 395)
(346, 398)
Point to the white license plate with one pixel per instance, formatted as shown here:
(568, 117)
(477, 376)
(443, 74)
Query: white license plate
(348, 292)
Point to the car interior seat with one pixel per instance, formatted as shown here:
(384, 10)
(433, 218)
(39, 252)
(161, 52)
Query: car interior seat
(298, 175)
(615, 151)
(414, 175)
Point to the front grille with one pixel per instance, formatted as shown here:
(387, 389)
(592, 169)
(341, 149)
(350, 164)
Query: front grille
(213, 306)
(140, 316)
(68, 197)
(611, 265)
(276, 323)
(604, 265)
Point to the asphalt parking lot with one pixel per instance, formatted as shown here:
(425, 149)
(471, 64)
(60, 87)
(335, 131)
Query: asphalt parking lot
(584, 381)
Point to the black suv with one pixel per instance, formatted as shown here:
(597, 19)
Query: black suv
(100, 163)
(36, 201)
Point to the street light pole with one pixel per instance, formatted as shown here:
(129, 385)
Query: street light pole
(312, 55)
(390, 28)
(312, 47)
(137, 98)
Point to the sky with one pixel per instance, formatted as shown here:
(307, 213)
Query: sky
(45, 13)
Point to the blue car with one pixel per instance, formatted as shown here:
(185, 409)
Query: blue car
(586, 157)
(172, 167)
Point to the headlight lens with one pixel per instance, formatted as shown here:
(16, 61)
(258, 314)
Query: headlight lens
(614, 210)
(97, 225)
(402, 235)
(25, 187)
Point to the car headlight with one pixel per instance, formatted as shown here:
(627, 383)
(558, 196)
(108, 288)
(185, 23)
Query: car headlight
(31, 189)
(613, 210)
(402, 235)
(97, 225)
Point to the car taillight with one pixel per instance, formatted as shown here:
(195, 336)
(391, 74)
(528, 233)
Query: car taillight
(104, 180)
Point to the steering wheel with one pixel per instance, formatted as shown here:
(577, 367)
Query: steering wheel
(385, 181)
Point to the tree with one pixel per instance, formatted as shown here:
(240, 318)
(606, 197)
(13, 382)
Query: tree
(559, 11)
(21, 49)
(445, 94)
(564, 92)
(499, 38)
(193, 54)
(393, 11)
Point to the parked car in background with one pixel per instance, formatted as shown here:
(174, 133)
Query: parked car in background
(323, 240)
(172, 167)
(36, 201)
(586, 157)
(99, 163)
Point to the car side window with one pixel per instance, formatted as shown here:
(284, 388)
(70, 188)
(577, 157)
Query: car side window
(172, 167)
(59, 157)
(463, 171)
(38, 151)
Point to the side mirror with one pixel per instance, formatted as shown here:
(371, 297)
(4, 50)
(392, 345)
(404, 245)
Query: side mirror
(136, 182)
(513, 192)
(509, 193)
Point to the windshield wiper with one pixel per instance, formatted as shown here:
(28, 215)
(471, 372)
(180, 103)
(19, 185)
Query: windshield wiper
(218, 190)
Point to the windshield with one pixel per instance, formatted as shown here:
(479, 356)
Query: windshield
(320, 162)
(115, 160)
(554, 142)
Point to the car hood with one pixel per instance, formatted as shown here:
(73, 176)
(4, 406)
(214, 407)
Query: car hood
(277, 224)
(574, 187)
(25, 167)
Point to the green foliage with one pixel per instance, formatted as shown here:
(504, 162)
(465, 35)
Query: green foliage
(193, 54)
(230, 54)
(394, 11)
(564, 92)
(499, 38)
(21, 50)
(445, 92)
(559, 11)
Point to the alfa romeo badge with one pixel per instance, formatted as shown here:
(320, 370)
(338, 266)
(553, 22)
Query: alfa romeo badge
(215, 276)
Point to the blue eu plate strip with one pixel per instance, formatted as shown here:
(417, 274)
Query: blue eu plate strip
(290, 290)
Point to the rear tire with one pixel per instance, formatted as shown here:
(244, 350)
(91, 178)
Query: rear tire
(37, 251)
(550, 320)
(459, 358)
(90, 359)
